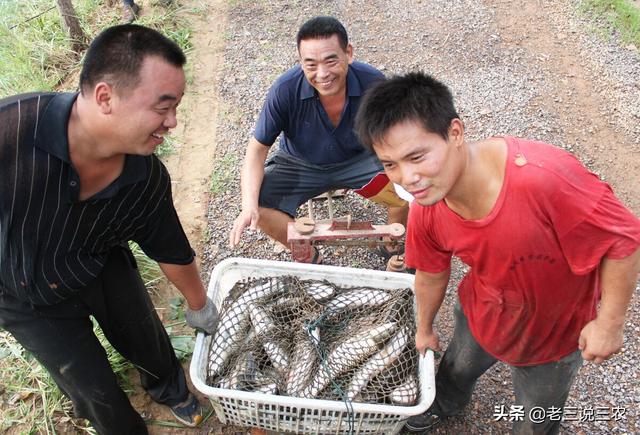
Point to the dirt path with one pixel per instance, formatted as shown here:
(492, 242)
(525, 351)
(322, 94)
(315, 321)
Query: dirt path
(535, 70)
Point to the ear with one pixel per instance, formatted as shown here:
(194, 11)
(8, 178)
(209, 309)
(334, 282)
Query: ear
(456, 132)
(103, 96)
(349, 52)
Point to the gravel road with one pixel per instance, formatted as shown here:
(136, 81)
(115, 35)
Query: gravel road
(538, 71)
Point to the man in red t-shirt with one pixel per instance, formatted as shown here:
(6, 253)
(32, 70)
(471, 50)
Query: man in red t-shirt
(545, 240)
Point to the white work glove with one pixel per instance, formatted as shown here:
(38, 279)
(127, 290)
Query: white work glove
(205, 319)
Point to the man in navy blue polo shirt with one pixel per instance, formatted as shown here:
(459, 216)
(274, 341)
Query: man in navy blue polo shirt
(314, 105)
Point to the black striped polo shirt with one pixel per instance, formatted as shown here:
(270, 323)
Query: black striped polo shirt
(51, 243)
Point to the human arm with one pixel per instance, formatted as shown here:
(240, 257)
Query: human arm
(603, 336)
(430, 289)
(201, 312)
(251, 180)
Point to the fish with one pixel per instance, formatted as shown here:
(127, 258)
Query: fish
(347, 355)
(265, 384)
(407, 393)
(320, 291)
(232, 329)
(395, 373)
(277, 355)
(242, 374)
(266, 288)
(261, 321)
(303, 363)
(353, 299)
(234, 321)
(378, 362)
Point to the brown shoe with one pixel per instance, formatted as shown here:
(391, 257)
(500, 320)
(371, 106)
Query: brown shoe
(130, 13)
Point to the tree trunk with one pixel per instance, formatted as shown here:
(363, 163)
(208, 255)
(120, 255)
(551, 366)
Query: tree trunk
(72, 25)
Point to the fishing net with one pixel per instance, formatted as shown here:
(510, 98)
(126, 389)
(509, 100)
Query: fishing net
(308, 338)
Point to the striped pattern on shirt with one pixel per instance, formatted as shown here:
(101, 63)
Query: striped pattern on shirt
(52, 244)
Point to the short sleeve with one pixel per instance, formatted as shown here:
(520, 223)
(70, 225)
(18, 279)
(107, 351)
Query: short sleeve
(422, 252)
(271, 121)
(609, 230)
(164, 239)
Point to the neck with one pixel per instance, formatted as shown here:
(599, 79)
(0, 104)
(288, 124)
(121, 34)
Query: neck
(475, 193)
(84, 135)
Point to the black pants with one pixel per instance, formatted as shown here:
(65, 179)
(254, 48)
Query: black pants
(61, 337)
(543, 386)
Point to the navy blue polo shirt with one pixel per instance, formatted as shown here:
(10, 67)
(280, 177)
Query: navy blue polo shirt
(293, 107)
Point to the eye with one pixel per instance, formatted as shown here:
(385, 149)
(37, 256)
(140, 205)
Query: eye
(388, 165)
(417, 157)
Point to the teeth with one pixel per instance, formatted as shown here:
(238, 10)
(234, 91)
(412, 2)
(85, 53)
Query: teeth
(157, 136)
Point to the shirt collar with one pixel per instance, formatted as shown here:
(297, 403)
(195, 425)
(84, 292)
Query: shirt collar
(353, 86)
(51, 136)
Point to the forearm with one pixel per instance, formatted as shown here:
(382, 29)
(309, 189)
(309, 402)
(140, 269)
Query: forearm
(618, 280)
(253, 173)
(430, 291)
(186, 278)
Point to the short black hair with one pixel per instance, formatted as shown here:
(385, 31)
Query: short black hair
(413, 97)
(116, 55)
(323, 28)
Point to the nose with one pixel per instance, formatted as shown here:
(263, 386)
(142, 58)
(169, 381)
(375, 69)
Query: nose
(407, 175)
(171, 120)
(322, 71)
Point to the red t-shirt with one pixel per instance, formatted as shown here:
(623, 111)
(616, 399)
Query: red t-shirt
(534, 259)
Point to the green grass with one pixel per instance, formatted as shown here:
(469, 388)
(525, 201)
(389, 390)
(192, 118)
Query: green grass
(621, 16)
(35, 52)
(224, 173)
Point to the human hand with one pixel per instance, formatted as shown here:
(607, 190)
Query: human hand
(246, 218)
(599, 340)
(205, 319)
(427, 339)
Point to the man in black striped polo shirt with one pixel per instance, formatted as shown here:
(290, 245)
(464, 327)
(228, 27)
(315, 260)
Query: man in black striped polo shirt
(78, 181)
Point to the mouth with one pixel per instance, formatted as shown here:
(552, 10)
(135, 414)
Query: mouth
(421, 193)
(158, 137)
(325, 84)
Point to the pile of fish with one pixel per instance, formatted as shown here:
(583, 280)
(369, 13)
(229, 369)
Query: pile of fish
(313, 339)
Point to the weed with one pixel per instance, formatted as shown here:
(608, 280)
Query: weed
(223, 173)
(621, 16)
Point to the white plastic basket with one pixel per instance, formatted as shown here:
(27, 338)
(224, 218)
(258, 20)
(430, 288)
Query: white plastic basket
(292, 414)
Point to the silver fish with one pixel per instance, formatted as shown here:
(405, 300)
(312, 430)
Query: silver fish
(378, 362)
(396, 373)
(265, 288)
(347, 355)
(320, 291)
(233, 326)
(277, 355)
(303, 362)
(407, 393)
(353, 299)
(262, 322)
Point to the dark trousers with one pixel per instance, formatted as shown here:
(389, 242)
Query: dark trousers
(545, 385)
(61, 337)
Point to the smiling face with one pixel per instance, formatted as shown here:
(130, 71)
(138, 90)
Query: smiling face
(422, 162)
(142, 115)
(325, 64)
